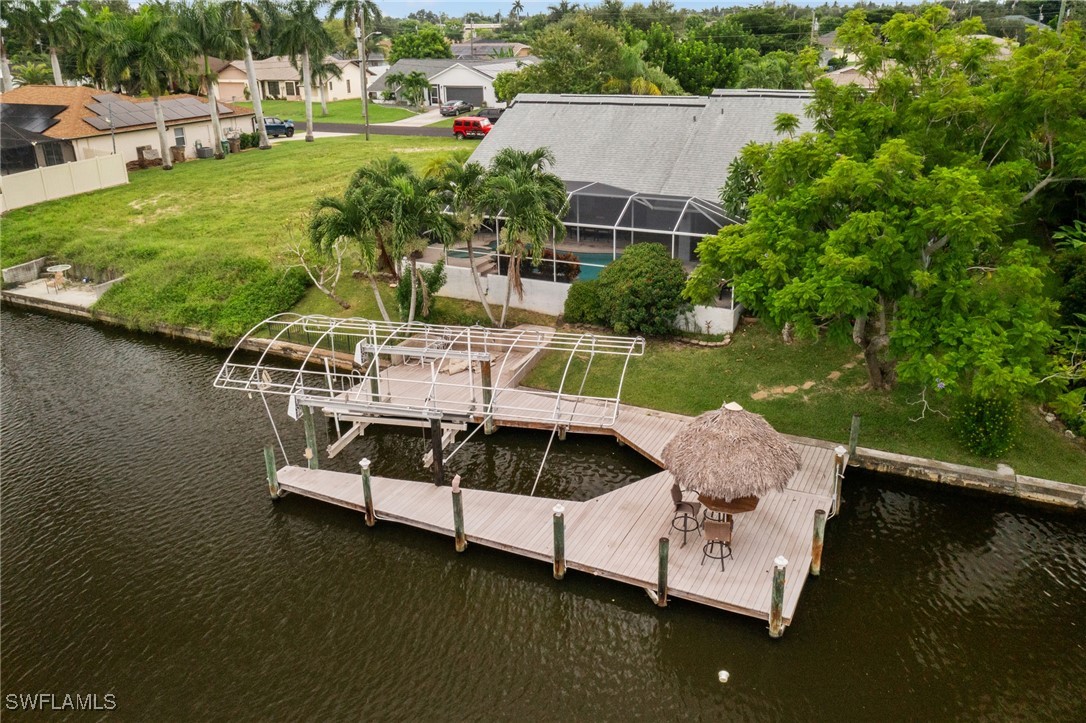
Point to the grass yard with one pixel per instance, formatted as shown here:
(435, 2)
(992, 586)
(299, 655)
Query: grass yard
(198, 244)
(768, 377)
(443, 123)
(339, 111)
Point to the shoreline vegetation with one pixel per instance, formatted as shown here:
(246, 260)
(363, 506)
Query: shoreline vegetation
(202, 246)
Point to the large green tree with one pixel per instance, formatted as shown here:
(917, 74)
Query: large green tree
(427, 42)
(299, 34)
(50, 24)
(208, 25)
(900, 218)
(251, 22)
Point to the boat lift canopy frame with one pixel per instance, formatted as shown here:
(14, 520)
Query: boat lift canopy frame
(360, 368)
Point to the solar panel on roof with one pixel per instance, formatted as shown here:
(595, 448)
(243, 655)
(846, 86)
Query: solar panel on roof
(98, 123)
(31, 117)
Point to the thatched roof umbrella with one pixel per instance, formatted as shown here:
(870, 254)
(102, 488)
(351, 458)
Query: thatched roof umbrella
(730, 457)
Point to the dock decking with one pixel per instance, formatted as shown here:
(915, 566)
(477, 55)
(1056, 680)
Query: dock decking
(616, 534)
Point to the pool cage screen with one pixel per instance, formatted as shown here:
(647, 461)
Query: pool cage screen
(606, 219)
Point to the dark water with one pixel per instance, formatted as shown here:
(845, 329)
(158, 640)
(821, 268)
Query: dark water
(141, 557)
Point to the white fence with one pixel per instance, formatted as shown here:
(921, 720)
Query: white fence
(548, 297)
(66, 179)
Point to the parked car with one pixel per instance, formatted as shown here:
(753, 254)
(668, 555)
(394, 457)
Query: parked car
(455, 107)
(491, 114)
(277, 127)
(471, 126)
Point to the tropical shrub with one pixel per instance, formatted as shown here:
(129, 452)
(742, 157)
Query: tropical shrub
(986, 425)
(641, 292)
(433, 279)
(583, 304)
(1071, 269)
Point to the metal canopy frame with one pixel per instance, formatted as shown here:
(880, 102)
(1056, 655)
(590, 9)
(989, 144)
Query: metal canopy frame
(360, 369)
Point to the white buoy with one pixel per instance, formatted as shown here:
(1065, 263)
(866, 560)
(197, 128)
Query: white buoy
(723, 676)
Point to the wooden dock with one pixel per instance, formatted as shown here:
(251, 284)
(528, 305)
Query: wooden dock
(616, 534)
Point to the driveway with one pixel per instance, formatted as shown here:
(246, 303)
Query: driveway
(379, 129)
(415, 121)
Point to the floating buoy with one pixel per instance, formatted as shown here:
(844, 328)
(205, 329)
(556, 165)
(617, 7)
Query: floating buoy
(723, 676)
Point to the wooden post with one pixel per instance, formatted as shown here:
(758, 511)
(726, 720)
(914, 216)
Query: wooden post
(854, 435)
(559, 542)
(367, 493)
(273, 475)
(816, 542)
(488, 396)
(661, 582)
(776, 605)
(375, 385)
(310, 436)
(838, 474)
(458, 515)
(438, 449)
(562, 433)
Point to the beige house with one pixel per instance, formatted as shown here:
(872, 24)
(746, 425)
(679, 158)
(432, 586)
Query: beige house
(93, 123)
(279, 79)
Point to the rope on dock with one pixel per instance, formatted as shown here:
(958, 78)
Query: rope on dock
(544, 462)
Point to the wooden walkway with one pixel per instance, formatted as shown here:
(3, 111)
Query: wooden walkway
(616, 534)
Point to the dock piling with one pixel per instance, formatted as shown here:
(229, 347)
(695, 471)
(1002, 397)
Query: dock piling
(367, 494)
(458, 515)
(559, 542)
(839, 462)
(488, 396)
(854, 435)
(816, 542)
(661, 582)
(436, 444)
(776, 605)
(273, 475)
(310, 436)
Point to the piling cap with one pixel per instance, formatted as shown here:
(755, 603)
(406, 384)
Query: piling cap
(365, 463)
(456, 483)
(559, 509)
(781, 561)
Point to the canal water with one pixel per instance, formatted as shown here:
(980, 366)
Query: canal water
(142, 558)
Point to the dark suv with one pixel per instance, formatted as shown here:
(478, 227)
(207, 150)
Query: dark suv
(276, 127)
(491, 114)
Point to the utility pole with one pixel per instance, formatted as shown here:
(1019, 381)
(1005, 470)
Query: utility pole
(1063, 13)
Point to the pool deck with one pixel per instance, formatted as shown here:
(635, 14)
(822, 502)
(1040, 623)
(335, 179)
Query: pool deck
(616, 535)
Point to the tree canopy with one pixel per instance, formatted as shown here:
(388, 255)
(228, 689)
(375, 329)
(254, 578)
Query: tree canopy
(427, 42)
(904, 218)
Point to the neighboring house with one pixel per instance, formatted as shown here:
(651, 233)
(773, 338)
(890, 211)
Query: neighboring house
(24, 150)
(279, 79)
(851, 74)
(831, 48)
(470, 80)
(486, 49)
(470, 29)
(80, 119)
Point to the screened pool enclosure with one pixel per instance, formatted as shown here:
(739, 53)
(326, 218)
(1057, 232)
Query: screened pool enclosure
(603, 220)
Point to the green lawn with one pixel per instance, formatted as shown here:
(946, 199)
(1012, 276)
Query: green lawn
(339, 111)
(443, 123)
(687, 379)
(198, 244)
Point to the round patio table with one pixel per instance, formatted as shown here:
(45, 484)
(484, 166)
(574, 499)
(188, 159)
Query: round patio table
(57, 270)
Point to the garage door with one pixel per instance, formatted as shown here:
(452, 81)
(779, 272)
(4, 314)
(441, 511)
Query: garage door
(471, 93)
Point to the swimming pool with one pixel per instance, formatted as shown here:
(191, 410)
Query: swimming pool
(591, 262)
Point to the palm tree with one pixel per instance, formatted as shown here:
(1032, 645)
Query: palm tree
(208, 26)
(374, 178)
(146, 52)
(355, 14)
(49, 23)
(299, 34)
(323, 71)
(249, 20)
(412, 86)
(533, 202)
(518, 9)
(415, 214)
(32, 74)
(351, 217)
(464, 184)
(92, 41)
(563, 8)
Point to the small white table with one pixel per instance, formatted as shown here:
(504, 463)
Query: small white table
(58, 274)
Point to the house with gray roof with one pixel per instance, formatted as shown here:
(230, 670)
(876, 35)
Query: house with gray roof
(644, 168)
(452, 79)
(637, 169)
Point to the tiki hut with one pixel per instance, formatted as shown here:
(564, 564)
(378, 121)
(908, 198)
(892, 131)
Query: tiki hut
(730, 457)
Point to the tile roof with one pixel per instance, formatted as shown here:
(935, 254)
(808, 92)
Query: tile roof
(85, 110)
(673, 145)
